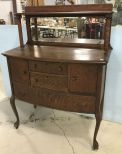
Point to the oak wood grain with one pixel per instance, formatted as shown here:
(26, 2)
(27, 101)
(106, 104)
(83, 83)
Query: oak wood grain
(49, 81)
(59, 54)
(19, 70)
(55, 99)
(68, 10)
(82, 78)
(48, 67)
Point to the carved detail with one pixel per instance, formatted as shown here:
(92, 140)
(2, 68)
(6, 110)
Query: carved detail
(108, 16)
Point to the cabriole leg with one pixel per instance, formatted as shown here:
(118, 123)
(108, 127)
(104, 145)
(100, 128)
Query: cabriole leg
(12, 102)
(98, 121)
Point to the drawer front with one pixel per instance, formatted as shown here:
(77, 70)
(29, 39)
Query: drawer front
(19, 70)
(53, 99)
(67, 101)
(49, 81)
(82, 78)
(48, 67)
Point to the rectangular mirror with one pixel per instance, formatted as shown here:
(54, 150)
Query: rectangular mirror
(68, 30)
(67, 27)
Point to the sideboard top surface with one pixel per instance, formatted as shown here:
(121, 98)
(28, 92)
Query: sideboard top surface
(59, 54)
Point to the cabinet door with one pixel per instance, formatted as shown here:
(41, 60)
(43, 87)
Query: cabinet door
(82, 78)
(19, 70)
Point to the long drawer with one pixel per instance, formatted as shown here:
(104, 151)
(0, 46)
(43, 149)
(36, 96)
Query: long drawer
(53, 99)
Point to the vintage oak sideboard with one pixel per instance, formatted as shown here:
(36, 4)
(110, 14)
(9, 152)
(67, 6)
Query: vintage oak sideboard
(66, 74)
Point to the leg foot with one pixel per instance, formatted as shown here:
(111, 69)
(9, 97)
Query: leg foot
(16, 124)
(95, 145)
(12, 102)
(98, 121)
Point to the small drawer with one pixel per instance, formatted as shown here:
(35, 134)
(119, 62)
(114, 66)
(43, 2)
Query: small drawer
(48, 67)
(49, 81)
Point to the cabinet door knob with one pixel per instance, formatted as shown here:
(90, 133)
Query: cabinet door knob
(36, 80)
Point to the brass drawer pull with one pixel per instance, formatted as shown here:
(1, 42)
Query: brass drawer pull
(36, 80)
(35, 66)
(25, 72)
(60, 68)
(74, 78)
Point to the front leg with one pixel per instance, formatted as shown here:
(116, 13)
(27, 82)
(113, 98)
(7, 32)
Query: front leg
(12, 102)
(98, 121)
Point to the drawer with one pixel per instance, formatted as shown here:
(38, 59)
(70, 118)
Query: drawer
(49, 81)
(19, 70)
(53, 99)
(48, 67)
(83, 78)
(66, 101)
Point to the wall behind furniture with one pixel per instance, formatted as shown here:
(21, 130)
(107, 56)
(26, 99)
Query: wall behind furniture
(5, 8)
(113, 92)
(8, 40)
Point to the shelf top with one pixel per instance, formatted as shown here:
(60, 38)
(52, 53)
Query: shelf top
(69, 10)
(69, 42)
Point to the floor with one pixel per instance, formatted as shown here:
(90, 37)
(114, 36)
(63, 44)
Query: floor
(48, 131)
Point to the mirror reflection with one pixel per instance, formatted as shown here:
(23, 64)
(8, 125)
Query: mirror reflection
(67, 27)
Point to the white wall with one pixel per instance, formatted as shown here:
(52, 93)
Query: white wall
(5, 8)
(9, 39)
(113, 92)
